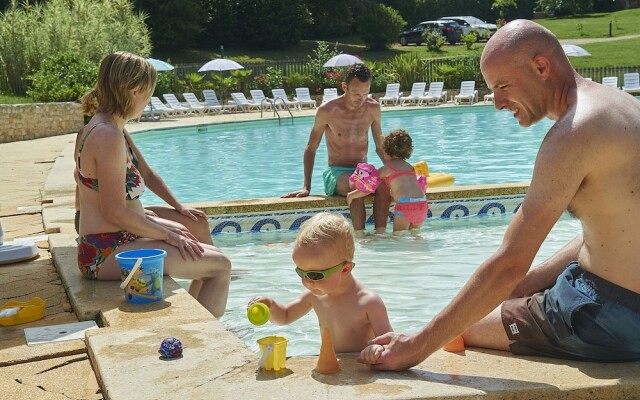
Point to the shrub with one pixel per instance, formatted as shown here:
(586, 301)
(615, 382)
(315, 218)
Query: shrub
(433, 39)
(408, 68)
(470, 39)
(379, 25)
(295, 80)
(63, 77)
(87, 29)
(269, 80)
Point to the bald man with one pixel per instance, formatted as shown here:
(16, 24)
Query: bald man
(584, 302)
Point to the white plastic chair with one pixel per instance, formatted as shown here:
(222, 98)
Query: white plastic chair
(304, 97)
(175, 105)
(242, 102)
(631, 83)
(199, 106)
(280, 96)
(611, 81)
(435, 95)
(263, 102)
(391, 95)
(417, 93)
(211, 100)
(468, 93)
(329, 94)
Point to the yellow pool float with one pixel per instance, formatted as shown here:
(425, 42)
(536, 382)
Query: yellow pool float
(434, 179)
(20, 312)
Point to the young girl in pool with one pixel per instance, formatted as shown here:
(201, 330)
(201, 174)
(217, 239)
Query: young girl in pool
(323, 253)
(408, 189)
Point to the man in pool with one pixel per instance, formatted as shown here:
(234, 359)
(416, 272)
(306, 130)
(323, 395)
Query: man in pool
(345, 122)
(587, 164)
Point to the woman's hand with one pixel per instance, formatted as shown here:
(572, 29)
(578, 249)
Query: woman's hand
(192, 213)
(186, 243)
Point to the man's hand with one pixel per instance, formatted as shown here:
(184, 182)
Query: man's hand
(401, 351)
(304, 192)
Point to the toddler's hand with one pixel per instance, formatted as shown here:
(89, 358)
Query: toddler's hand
(371, 353)
(260, 299)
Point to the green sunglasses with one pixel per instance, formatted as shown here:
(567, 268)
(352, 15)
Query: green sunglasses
(320, 275)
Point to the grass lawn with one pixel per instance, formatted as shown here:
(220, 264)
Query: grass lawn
(12, 99)
(593, 26)
(623, 23)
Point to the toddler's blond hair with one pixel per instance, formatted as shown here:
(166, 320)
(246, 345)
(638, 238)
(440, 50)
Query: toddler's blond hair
(331, 230)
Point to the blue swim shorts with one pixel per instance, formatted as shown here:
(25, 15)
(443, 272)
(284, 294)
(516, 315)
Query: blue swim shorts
(582, 317)
(330, 177)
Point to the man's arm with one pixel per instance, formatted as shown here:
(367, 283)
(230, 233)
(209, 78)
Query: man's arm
(376, 132)
(309, 157)
(545, 275)
(560, 169)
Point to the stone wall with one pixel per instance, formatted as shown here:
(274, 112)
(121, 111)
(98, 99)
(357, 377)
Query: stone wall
(37, 120)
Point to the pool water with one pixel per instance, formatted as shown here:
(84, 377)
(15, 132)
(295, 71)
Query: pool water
(241, 160)
(416, 277)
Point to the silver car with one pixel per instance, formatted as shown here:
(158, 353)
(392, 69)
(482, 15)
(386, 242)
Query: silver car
(473, 24)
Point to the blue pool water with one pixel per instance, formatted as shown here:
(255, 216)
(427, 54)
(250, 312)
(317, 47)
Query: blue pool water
(416, 278)
(241, 160)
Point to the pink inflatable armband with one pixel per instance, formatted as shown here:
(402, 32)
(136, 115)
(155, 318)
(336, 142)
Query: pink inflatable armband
(422, 182)
(365, 178)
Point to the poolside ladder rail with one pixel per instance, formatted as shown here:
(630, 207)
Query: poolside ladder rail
(275, 109)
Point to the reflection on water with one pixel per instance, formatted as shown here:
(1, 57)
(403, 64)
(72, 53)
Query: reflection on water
(416, 278)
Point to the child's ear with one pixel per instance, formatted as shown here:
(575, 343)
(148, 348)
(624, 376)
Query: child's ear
(348, 267)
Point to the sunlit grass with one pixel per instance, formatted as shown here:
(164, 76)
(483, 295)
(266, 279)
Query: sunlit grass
(11, 99)
(626, 22)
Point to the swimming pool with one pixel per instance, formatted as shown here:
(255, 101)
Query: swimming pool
(416, 278)
(242, 160)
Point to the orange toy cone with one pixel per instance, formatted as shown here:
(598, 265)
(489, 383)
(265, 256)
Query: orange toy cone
(455, 345)
(327, 361)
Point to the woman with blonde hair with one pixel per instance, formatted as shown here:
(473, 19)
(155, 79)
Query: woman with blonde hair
(108, 161)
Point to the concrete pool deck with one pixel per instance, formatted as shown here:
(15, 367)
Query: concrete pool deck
(36, 195)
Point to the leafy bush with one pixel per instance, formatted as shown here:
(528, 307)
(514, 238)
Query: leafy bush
(316, 60)
(63, 77)
(408, 68)
(433, 39)
(87, 29)
(296, 80)
(470, 39)
(269, 80)
(379, 25)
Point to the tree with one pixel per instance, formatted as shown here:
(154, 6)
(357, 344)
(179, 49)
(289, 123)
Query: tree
(271, 24)
(174, 24)
(566, 7)
(502, 5)
(331, 19)
(379, 25)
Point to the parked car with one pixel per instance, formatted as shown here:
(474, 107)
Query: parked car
(451, 31)
(473, 24)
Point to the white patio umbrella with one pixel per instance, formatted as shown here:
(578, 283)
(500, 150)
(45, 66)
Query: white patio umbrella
(575, 51)
(160, 65)
(220, 64)
(342, 60)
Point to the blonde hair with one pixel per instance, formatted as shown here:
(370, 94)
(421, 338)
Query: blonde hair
(119, 74)
(331, 230)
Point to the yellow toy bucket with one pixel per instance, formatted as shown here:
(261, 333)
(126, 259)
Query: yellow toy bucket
(274, 352)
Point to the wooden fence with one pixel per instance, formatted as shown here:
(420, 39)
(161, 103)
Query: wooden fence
(4, 82)
(433, 70)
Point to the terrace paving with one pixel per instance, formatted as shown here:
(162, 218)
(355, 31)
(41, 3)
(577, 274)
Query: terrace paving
(120, 360)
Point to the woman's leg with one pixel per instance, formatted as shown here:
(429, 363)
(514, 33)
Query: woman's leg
(213, 269)
(199, 229)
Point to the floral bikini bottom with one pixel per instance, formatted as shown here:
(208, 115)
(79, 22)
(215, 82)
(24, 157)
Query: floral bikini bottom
(93, 249)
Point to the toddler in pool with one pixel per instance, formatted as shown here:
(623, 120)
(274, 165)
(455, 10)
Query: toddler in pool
(323, 253)
(407, 188)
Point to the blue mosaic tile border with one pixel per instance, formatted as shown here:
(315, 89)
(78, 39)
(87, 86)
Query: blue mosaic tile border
(292, 219)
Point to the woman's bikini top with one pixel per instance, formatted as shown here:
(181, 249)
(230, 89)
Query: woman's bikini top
(134, 185)
(396, 174)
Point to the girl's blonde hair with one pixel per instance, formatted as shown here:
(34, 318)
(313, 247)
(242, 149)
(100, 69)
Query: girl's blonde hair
(331, 230)
(120, 73)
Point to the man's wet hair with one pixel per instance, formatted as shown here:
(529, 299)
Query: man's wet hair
(360, 71)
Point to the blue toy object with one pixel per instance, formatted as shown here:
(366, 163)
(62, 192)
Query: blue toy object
(171, 348)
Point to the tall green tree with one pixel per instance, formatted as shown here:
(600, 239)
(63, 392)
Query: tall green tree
(379, 25)
(174, 24)
(271, 24)
(331, 19)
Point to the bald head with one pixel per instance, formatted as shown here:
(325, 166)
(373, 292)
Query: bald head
(521, 40)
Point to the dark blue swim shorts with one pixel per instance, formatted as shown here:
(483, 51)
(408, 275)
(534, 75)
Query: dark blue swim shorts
(581, 317)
